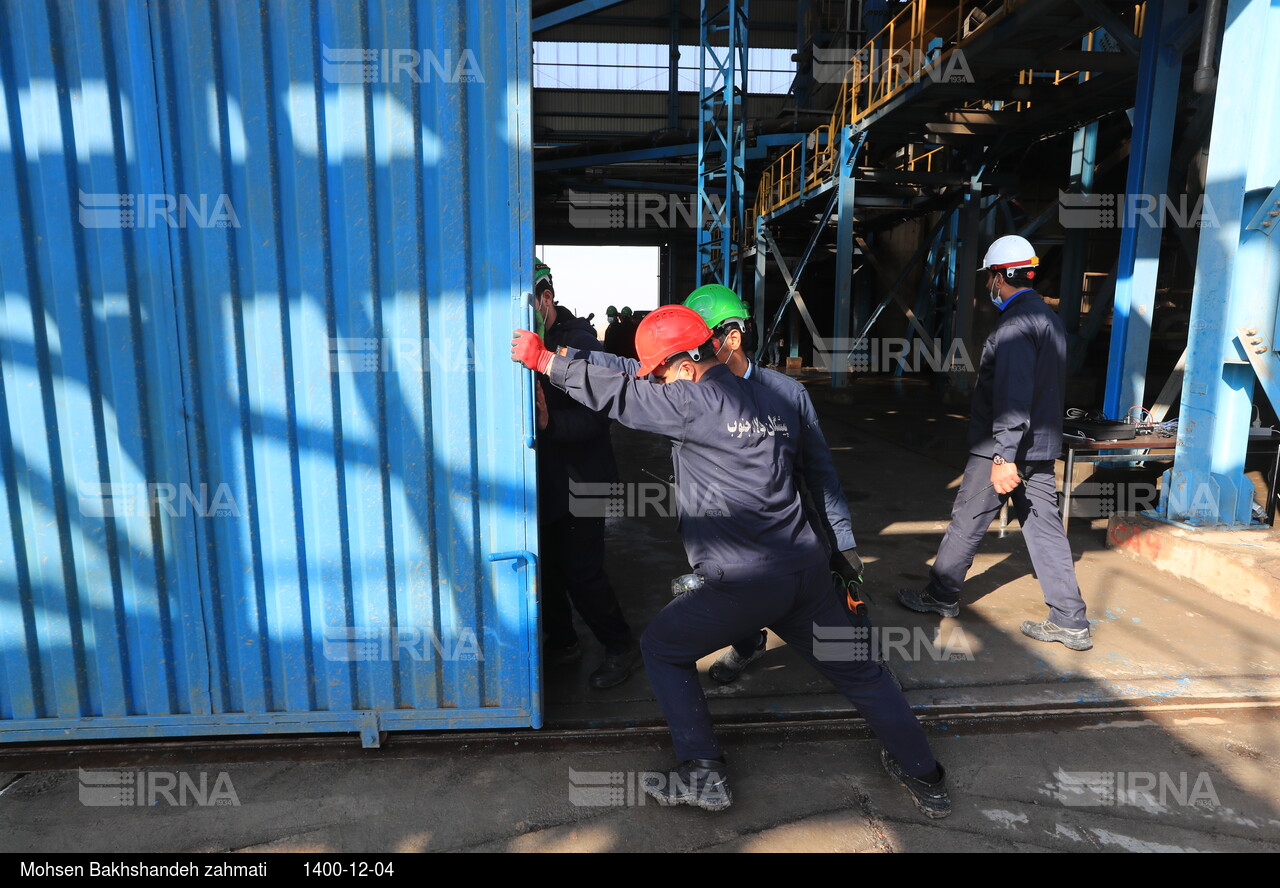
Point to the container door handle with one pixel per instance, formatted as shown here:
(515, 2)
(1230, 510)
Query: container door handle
(515, 555)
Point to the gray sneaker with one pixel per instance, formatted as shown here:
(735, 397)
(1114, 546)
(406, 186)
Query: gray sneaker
(1076, 639)
(923, 602)
(729, 665)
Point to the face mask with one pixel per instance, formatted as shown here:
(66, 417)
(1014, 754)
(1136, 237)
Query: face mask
(994, 291)
(540, 320)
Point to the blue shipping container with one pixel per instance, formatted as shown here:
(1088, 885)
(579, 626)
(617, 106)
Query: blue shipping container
(266, 463)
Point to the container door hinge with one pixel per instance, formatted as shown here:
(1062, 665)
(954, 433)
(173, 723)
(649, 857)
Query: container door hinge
(370, 730)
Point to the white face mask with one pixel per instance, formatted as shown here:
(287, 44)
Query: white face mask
(994, 291)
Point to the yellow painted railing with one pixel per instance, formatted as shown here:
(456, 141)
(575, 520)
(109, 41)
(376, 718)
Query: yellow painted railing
(919, 34)
(923, 33)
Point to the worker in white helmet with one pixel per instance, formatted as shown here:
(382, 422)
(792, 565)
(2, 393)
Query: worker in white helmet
(1015, 437)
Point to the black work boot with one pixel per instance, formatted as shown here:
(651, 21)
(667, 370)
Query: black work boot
(616, 668)
(702, 783)
(562, 655)
(931, 798)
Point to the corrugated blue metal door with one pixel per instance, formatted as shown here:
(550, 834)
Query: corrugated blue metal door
(260, 263)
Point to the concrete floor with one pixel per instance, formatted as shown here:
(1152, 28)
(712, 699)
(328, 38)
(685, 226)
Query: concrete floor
(1179, 702)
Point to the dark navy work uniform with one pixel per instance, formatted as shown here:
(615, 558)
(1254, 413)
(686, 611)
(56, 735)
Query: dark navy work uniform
(575, 446)
(734, 446)
(1016, 413)
(822, 496)
(825, 503)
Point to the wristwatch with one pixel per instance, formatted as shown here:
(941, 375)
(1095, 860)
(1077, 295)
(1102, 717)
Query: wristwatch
(998, 460)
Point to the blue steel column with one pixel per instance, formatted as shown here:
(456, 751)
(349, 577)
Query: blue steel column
(1159, 66)
(844, 250)
(1235, 282)
(762, 258)
(1084, 153)
(965, 258)
(673, 67)
(720, 105)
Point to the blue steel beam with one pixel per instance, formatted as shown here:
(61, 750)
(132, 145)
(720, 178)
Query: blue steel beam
(721, 137)
(1159, 67)
(1235, 283)
(1084, 154)
(673, 66)
(792, 279)
(641, 185)
(845, 184)
(965, 257)
(1115, 25)
(571, 12)
(762, 256)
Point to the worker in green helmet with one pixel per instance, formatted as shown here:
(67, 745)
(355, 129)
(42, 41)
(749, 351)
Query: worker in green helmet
(613, 331)
(626, 334)
(574, 450)
(825, 504)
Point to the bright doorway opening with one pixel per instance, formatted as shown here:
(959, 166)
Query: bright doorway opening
(590, 279)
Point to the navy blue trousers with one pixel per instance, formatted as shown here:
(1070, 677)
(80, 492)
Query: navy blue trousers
(806, 610)
(1035, 502)
(573, 571)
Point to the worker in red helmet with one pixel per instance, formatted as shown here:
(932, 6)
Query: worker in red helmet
(755, 557)
(726, 315)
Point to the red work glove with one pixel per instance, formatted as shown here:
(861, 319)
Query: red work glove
(527, 349)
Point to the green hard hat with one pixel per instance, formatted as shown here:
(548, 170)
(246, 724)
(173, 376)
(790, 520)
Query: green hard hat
(717, 304)
(626, 311)
(610, 312)
(540, 270)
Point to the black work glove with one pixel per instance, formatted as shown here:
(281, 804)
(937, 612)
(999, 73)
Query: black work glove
(846, 569)
(848, 566)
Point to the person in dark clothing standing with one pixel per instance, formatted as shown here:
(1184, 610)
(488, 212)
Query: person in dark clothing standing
(612, 331)
(626, 334)
(1015, 437)
(574, 448)
(756, 559)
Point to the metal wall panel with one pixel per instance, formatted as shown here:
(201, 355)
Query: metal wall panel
(299, 336)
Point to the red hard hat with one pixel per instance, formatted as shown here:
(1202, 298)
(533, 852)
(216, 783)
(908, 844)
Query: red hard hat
(668, 331)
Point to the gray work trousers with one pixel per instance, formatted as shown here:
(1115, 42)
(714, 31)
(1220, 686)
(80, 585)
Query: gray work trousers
(1035, 502)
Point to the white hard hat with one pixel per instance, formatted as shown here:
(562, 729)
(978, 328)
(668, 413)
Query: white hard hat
(1008, 252)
